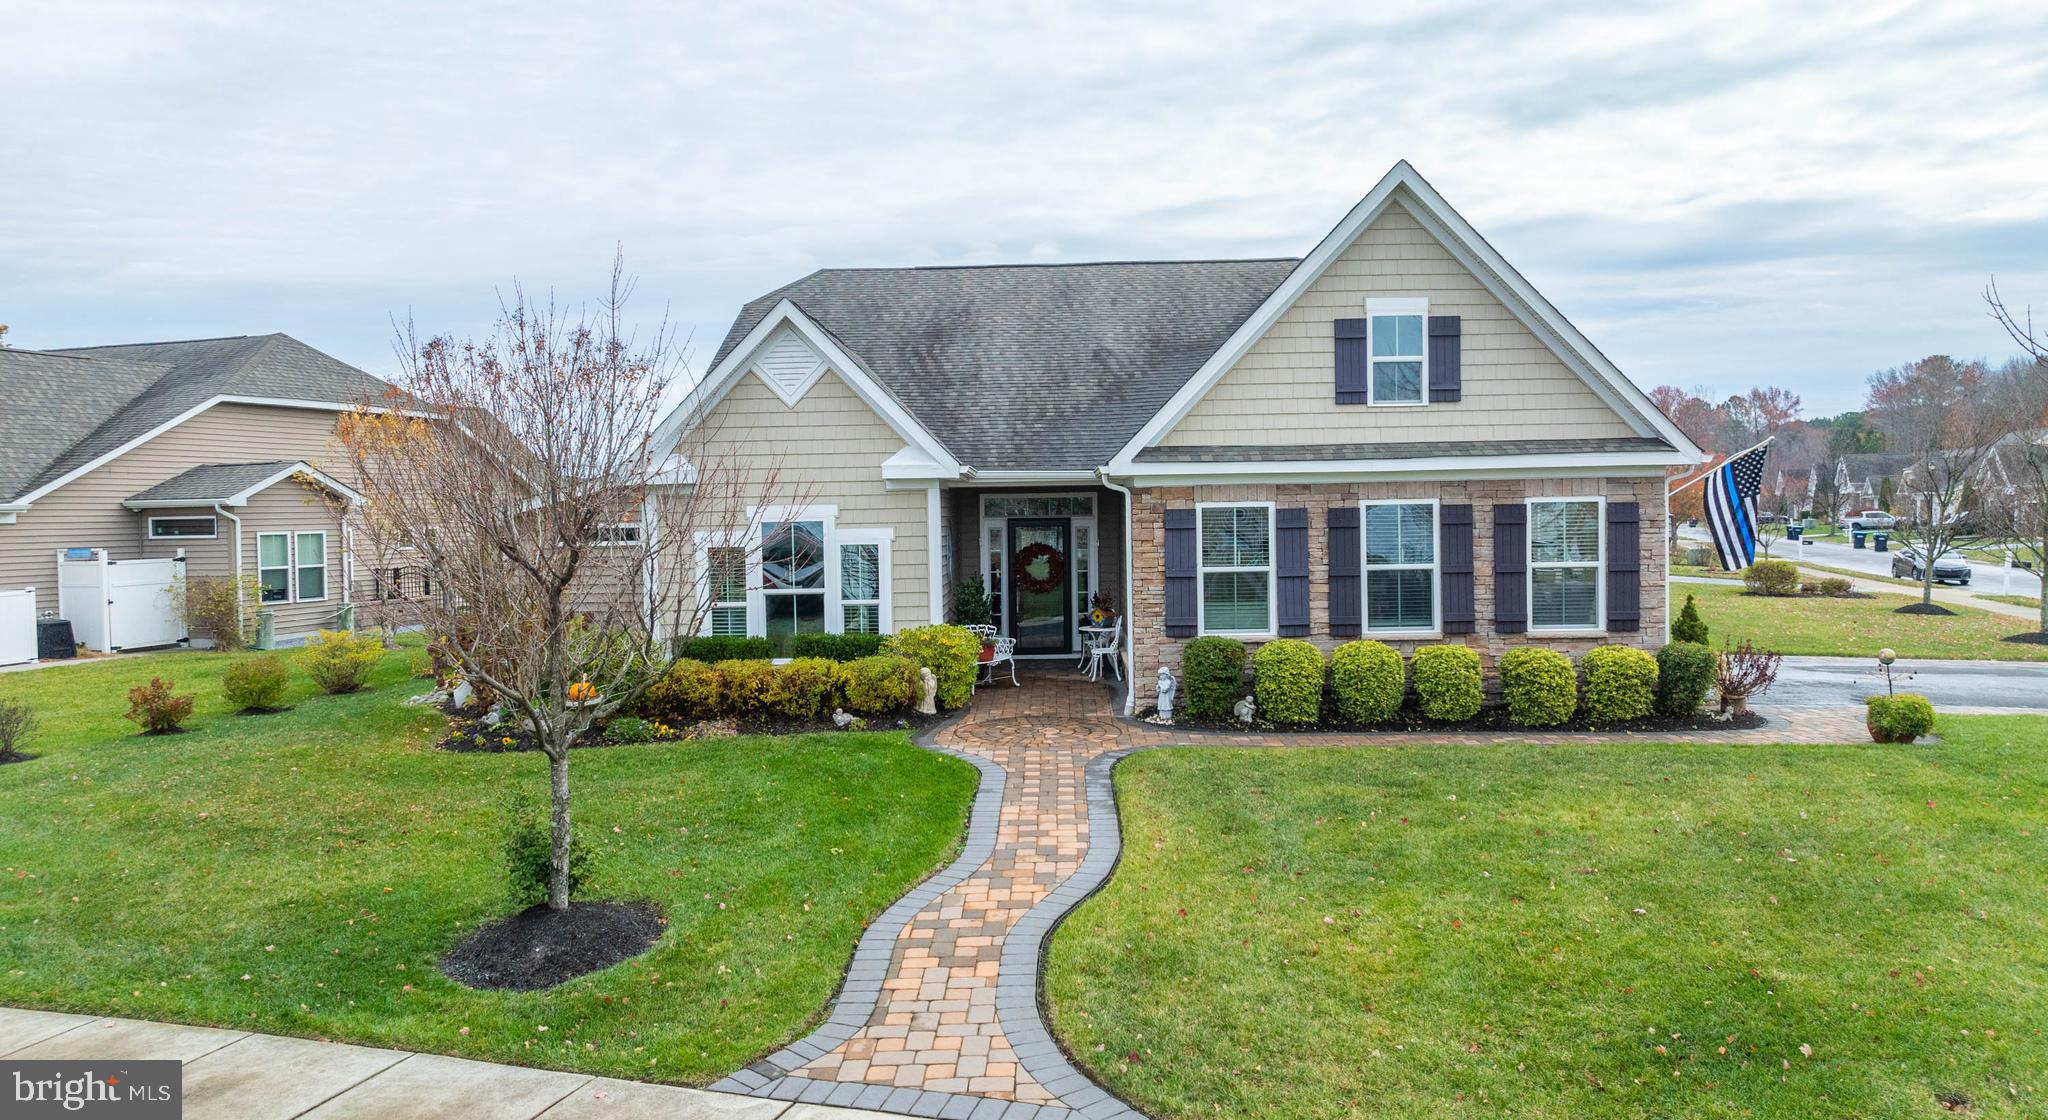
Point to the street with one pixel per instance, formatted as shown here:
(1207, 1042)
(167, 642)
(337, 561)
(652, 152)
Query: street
(1837, 552)
(1827, 681)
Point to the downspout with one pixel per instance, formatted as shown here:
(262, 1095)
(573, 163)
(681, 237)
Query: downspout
(240, 622)
(1130, 620)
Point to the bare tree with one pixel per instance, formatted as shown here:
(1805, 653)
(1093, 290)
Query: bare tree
(1937, 410)
(515, 472)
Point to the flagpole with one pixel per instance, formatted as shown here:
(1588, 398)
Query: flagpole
(1706, 474)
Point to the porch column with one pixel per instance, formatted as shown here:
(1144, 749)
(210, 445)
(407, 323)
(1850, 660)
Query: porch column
(934, 563)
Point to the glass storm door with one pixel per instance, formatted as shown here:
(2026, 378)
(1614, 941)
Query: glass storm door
(1041, 573)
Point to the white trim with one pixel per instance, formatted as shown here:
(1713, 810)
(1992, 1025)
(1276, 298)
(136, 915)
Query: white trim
(884, 542)
(1202, 570)
(242, 498)
(1014, 478)
(1599, 563)
(299, 566)
(1434, 567)
(149, 530)
(1405, 307)
(721, 378)
(1445, 467)
(933, 548)
(1471, 250)
(912, 464)
(261, 568)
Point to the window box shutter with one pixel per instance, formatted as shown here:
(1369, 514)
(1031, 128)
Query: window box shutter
(1290, 570)
(1624, 568)
(1446, 371)
(1181, 544)
(1354, 368)
(1510, 568)
(1456, 566)
(1347, 606)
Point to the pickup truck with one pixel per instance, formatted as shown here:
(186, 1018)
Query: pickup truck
(1870, 520)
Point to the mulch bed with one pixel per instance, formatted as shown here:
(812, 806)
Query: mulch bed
(540, 948)
(1488, 721)
(264, 711)
(2030, 638)
(13, 756)
(1923, 608)
(469, 734)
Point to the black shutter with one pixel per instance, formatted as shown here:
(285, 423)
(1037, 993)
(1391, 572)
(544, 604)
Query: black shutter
(1510, 568)
(1354, 368)
(1290, 570)
(1446, 374)
(1180, 573)
(1455, 539)
(1347, 607)
(1624, 568)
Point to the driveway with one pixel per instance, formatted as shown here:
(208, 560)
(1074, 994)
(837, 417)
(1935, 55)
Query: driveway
(1985, 579)
(1830, 681)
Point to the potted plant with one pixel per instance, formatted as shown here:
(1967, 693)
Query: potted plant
(1744, 671)
(1101, 608)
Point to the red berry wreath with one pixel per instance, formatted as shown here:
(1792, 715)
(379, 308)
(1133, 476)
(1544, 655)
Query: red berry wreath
(1055, 568)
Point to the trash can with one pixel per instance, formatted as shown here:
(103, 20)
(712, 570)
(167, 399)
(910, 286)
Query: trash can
(1795, 531)
(1878, 541)
(54, 640)
(266, 630)
(1856, 537)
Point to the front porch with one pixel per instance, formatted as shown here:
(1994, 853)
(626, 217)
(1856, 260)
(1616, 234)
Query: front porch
(1042, 555)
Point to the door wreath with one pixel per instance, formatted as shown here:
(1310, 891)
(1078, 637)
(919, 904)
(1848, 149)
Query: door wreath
(1055, 568)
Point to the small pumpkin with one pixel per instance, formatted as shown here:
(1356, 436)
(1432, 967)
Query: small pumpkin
(582, 692)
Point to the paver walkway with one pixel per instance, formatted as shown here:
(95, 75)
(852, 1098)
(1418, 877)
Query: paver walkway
(939, 1014)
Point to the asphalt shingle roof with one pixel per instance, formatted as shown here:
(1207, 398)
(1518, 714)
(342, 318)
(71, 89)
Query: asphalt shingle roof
(67, 407)
(1030, 367)
(212, 482)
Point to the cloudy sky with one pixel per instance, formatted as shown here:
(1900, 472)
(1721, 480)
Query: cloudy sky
(1719, 195)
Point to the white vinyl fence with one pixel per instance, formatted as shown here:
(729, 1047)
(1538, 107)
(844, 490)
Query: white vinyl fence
(120, 604)
(17, 626)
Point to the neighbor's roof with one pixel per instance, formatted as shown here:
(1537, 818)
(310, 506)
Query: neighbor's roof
(213, 482)
(66, 408)
(1030, 367)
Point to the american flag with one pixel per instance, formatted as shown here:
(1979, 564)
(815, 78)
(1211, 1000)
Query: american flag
(1731, 507)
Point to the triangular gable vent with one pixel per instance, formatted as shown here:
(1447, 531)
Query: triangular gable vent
(789, 365)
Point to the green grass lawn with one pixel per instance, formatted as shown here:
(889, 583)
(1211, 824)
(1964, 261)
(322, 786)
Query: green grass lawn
(1631, 930)
(1854, 627)
(2014, 600)
(301, 873)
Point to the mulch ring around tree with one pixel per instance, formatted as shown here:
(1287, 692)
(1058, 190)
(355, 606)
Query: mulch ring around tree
(540, 948)
(2030, 638)
(1923, 608)
(13, 756)
(469, 733)
(1489, 721)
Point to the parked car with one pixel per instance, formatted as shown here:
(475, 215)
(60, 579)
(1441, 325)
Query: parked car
(1949, 567)
(1870, 520)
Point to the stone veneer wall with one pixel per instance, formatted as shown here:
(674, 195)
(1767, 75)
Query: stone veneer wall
(1153, 648)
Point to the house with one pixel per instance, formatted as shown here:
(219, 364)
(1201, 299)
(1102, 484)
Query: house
(1393, 437)
(222, 448)
(1861, 478)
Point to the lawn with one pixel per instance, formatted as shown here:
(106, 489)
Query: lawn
(1855, 627)
(301, 873)
(1592, 931)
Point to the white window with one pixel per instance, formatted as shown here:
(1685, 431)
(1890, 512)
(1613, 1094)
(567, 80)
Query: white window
(793, 577)
(274, 567)
(860, 587)
(802, 574)
(617, 534)
(1400, 567)
(1235, 568)
(1565, 543)
(1395, 339)
(727, 568)
(183, 528)
(310, 566)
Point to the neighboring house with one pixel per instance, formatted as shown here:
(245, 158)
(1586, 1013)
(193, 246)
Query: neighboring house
(1860, 478)
(221, 447)
(1394, 437)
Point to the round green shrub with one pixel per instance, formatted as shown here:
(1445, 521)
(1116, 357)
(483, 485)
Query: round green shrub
(952, 653)
(1898, 719)
(339, 661)
(713, 648)
(688, 691)
(1367, 680)
(1211, 677)
(1287, 681)
(255, 683)
(1689, 626)
(1772, 577)
(805, 688)
(1685, 671)
(744, 687)
(1621, 684)
(878, 685)
(1447, 682)
(1540, 686)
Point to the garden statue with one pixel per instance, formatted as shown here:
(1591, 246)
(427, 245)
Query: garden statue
(927, 691)
(1244, 711)
(841, 719)
(1166, 690)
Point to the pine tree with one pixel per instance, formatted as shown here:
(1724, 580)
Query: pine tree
(1689, 627)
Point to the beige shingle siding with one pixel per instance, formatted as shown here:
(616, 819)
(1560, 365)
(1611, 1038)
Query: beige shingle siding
(1282, 391)
(290, 507)
(829, 450)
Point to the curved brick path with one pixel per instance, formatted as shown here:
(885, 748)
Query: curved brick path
(938, 1015)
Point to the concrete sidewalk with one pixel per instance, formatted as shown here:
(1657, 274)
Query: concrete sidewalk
(236, 1075)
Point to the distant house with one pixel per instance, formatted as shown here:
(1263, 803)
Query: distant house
(1860, 478)
(221, 447)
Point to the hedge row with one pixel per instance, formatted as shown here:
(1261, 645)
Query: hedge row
(735, 677)
(831, 647)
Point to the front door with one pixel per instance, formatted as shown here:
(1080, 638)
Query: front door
(1041, 600)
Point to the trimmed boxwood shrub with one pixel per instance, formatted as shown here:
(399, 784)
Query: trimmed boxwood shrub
(1689, 626)
(952, 653)
(1211, 676)
(713, 649)
(1621, 684)
(256, 683)
(744, 687)
(339, 661)
(1447, 682)
(1772, 577)
(1540, 686)
(879, 685)
(805, 688)
(688, 691)
(1287, 681)
(1898, 719)
(1367, 681)
(1685, 671)
(832, 647)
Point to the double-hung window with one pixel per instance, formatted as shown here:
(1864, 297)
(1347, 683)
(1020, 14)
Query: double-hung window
(274, 567)
(1400, 567)
(860, 587)
(793, 577)
(1397, 346)
(1236, 569)
(310, 567)
(727, 571)
(1564, 564)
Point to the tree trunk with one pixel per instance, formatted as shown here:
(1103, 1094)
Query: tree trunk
(1927, 584)
(558, 797)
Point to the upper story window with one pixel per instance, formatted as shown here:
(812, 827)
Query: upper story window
(187, 528)
(1236, 569)
(1398, 345)
(1564, 564)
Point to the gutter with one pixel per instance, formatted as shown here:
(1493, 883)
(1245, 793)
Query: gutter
(1130, 624)
(221, 510)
